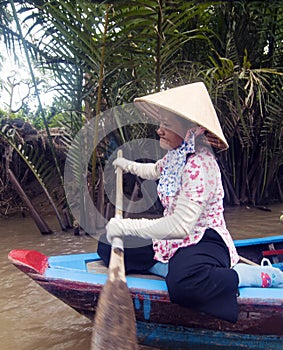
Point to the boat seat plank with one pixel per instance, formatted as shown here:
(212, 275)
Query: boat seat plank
(99, 267)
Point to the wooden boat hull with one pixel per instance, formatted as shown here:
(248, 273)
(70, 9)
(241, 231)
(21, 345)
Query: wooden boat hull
(159, 321)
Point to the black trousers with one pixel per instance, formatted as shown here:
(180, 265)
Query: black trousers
(138, 254)
(199, 275)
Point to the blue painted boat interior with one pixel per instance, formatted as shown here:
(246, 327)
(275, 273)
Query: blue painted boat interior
(73, 268)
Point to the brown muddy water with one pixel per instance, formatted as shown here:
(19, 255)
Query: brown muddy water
(32, 319)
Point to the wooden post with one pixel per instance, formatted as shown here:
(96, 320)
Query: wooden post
(40, 223)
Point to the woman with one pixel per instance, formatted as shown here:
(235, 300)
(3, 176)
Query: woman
(193, 249)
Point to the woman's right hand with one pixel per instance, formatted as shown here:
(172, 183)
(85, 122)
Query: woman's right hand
(149, 171)
(121, 163)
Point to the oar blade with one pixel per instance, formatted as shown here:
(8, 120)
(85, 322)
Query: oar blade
(115, 324)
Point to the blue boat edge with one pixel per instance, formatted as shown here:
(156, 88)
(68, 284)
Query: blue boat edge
(178, 338)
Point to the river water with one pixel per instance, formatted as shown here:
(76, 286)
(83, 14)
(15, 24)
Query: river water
(32, 319)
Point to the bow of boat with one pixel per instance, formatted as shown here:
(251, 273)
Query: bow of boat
(29, 261)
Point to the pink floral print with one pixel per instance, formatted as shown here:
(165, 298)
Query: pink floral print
(200, 180)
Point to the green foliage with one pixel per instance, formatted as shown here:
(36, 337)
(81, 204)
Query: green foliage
(34, 159)
(31, 156)
(3, 114)
(235, 47)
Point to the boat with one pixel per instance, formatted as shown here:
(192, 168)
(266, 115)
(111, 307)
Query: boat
(77, 280)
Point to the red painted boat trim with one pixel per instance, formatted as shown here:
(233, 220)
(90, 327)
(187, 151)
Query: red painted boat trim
(29, 258)
(272, 252)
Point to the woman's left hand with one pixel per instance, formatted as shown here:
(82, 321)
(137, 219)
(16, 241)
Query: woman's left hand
(114, 228)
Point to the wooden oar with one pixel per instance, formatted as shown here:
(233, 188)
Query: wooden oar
(248, 261)
(115, 323)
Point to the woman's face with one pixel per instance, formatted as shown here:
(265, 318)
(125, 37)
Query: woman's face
(171, 131)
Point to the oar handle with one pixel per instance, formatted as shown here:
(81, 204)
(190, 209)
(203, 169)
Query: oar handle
(119, 189)
(118, 242)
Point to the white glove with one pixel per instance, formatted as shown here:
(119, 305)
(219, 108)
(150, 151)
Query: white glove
(175, 226)
(149, 171)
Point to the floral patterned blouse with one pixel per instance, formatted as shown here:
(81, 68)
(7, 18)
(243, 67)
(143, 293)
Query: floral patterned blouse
(200, 179)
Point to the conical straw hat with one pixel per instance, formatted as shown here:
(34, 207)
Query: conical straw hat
(191, 102)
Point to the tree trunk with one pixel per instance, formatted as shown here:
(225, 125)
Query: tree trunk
(40, 223)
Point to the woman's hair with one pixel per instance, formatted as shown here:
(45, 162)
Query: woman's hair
(187, 123)
(201, 140)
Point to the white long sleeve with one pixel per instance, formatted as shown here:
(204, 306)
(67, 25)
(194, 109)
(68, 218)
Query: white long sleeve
(149, 171)
(175, 226)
